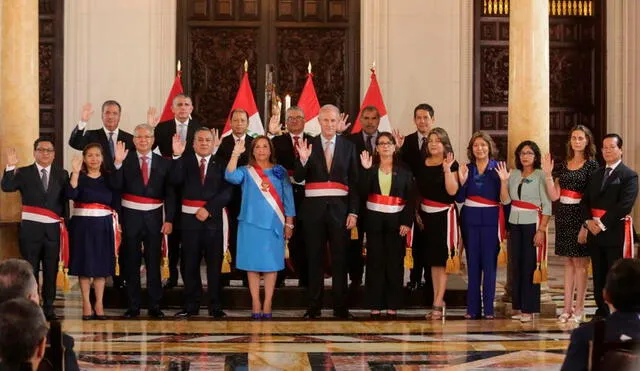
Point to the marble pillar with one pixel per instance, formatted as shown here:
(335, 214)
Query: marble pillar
(19, 102)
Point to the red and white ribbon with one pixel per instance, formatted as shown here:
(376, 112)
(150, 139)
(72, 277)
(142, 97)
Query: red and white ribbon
(268, 189)
(325, 189)
(478, 201)
(431, 207)
(293, 181)
(541, 251)
(385, 204)
(140, 203)
(569, 197)
(100, 210)
(192, 206)
(628, 251)
(46, 216)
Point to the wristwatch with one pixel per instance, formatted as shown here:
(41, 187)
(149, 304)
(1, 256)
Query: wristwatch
(291, 226)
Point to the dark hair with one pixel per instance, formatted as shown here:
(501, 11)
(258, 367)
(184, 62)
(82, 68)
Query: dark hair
(16, 279)
(42, 139)
(22, 329)
(424, 107)
(493, 150)
(537, 162)
(111, 102)
(371, 109)
(623, 285)
(239, 110)
(272, 156)
(388, 135)
(589, 149)
(181, 95)
(614, 135)
(444, 139)
(84, 153)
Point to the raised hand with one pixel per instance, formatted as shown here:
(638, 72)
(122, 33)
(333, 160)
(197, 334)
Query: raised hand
(12, 157)
(76, 164)
(87, 112)
(366, 160)
(274, 124)
(399, 138)
(447, 162)
(177, 145)
(502, 171)
(152, 119)
(238, 148)
(304, 150)
(342, 123)
(547, 164)
(216, 138)
(121, 153)
(463, 173)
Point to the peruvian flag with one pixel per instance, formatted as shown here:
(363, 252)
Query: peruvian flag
(309, 103)
(245, 100)
(176, 89)
(374, 98)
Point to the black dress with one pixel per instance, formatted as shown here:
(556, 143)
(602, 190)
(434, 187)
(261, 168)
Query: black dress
(569, 217)
(430, 182)
(91, 239)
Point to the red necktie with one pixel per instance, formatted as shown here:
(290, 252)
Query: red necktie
(296, 140)
(145, 170)
(203, 163)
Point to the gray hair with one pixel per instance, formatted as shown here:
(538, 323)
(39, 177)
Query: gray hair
(294, 109)
(143, 127)
(330, 107)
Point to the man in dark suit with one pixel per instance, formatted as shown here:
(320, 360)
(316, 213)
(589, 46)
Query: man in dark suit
(330, 169)
(204, 194)
(622, 295)
(44, 206)
(107, 136)
(185, 127)
(606, 203)
(143, 179)
(239, 125)
(286, 155)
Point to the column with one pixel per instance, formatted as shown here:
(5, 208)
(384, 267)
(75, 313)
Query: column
(19, 102)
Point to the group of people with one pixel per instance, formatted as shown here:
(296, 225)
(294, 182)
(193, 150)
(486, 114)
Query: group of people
(174, 192)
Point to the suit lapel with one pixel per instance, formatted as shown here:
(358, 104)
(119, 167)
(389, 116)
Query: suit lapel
(37, 178)
(611, 178)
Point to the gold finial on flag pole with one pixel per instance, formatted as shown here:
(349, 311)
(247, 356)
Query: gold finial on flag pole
(246, 65)
(179, 67)
(373, 67)
(309, 68)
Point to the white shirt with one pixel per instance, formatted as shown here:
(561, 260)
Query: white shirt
(333, 144)
(420, 136)
(206, 163)
(48, 169)
(612, 167)
(235, 138)
(293, 140)
(186, 128)
(115, 134)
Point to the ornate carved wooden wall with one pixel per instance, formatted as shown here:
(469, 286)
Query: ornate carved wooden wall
(214, 37)
(51, 68)
(576, 67)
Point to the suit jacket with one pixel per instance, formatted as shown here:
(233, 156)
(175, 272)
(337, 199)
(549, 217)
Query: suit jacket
(617, 324)
(226, 148)
(80, 138)
(616, 197)
(410, 153)
(344, 170)
(164, 133)
(285, 153)
(27, 180)
(128, 179)
(402, 186)
(215, 190)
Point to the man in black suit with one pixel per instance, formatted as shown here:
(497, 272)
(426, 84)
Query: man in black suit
(413, 153)
(185, 127)
(364, 141)
(143, 179)
(606, 204)
(286, 155)
(44, 207)
(239, 125)
(622, 295)
(329, 167)
(107, 136)
(204, 194)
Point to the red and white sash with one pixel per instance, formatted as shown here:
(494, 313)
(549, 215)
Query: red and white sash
(385, 204)
(192, 206)
(46, 216)
(628, 252)
(541, 251)
(293, 181)
(478, 201)
(568, 197)
(269, 191)
(431, 207)
(100, 210)
(325, 189)
(140, 203)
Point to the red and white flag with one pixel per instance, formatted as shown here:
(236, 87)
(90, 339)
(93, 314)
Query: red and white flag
(309, 103)
(373, 98)
(167, 113)
(245, 100)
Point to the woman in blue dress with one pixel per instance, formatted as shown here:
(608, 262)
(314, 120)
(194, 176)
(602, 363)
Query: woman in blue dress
(265, 221)
(480, 195)
(92, 227)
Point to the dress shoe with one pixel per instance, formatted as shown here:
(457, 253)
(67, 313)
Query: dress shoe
(267, 316)
(217, 313)
(412, 286)
(88, 318)
(342, 314)
(256, 316)
(186, 314)
(156, 313)
(132, 313)
(100, 317)
(311, 314)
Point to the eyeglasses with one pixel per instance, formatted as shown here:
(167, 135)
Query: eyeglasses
(527, 153)
(291, 118)
(382, 144)
(45, 150)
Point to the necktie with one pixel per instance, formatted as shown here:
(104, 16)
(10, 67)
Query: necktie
(145, 170)
(203, 164)
(183, 132)
(45, 179)
(367, 144)
(328, 155)
(112, 146)
(423, 149)
(296, 140)
(607, 172)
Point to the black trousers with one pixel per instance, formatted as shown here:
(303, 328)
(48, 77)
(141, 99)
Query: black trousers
(385, 265)
(47, 252)
(175, 239)
(421, 270)
(523, 260)
(602, 258)
(195, 245)
(355, 260)
(133, 253)
(327, 229)
(297, 247)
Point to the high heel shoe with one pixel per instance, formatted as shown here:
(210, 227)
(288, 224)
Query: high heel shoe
(256, 316)
(564, 317)
(577, 318)
(267, 316)
(438, 312)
